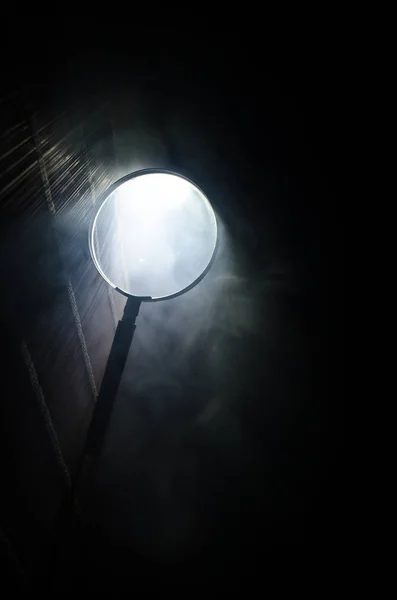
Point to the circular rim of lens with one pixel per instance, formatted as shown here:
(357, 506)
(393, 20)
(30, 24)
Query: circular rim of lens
(101, 202)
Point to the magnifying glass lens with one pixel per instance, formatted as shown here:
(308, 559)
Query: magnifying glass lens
(154, 235)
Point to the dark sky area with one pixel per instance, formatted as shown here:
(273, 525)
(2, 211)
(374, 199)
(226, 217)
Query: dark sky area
(223, 450)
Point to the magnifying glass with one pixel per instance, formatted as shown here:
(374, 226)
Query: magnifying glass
(153, 237)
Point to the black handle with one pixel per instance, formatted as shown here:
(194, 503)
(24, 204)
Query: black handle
(112, 377)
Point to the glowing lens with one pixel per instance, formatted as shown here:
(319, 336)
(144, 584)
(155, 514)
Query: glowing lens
(154, 235)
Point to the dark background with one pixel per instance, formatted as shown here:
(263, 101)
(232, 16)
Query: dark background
(222, 455)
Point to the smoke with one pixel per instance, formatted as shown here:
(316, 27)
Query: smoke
(215, 377)
(176, 439)
(177, 451)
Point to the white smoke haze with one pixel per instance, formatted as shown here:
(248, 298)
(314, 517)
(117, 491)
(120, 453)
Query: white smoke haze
(222, 432)
(194, 363)
(179, 407)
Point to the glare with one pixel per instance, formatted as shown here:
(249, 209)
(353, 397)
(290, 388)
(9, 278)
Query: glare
(156, 235)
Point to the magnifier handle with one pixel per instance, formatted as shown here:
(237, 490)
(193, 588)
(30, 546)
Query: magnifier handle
(111, 378)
